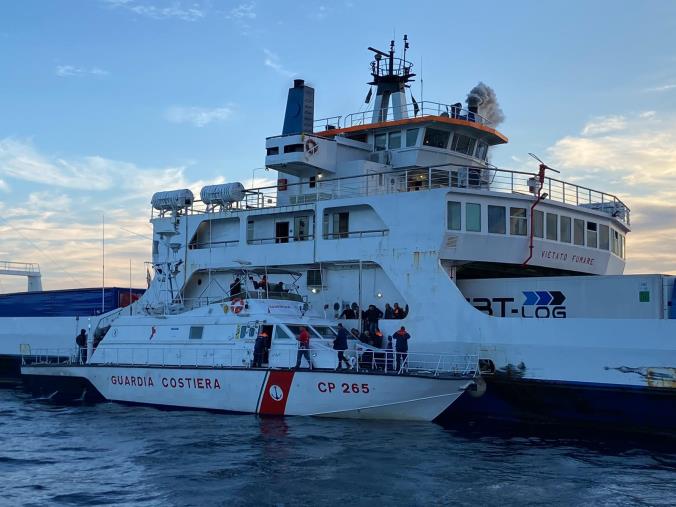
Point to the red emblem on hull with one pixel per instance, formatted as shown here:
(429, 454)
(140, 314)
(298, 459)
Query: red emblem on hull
(276, 393)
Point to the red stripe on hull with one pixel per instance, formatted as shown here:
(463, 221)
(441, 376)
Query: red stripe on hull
(276, 392)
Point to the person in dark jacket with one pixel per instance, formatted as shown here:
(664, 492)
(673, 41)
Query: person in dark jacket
(348, 313)
(373, 314)
(401, 338)
(389, 312)
(236, 288)
(81, 341)
(398, 312)
(259, 349)
(340, 344)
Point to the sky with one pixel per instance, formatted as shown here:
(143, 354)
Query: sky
(104, 102)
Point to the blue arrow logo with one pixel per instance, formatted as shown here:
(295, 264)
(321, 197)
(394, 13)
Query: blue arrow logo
(531, 298)
(545, 298)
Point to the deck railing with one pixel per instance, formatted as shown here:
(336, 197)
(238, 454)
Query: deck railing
(419, 110)
(361, 359)
(451, 176)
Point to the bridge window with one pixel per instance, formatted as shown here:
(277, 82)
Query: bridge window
(436, 138)
(380, 142)
(591, 235)
(249, 230)
(578, 232)
(481, 150)
(518, 223)
(622, 245)
(614, 241)
(497, 217)
(565, 229)
(473, 217)
(394, 140)
(552, 226)
(454, 219)
(538, 224)
(604, 237)
(463, 144)
(196, 332)
(411, 137)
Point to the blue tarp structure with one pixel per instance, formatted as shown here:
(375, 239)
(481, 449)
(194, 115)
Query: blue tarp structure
(65, 303)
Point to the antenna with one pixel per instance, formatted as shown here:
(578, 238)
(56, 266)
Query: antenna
(542, 164)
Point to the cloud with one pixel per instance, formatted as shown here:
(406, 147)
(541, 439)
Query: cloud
(198, 116)
(58, 223)
(73, 71)
(638, 164)
(173, 10)
(243, 12)
(272, 60)
(4, 187)
(662, 88)
(604, 124)
(20, 160)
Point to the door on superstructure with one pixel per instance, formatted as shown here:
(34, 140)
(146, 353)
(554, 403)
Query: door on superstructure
(267, 344)
(301, 227)
(282, 232)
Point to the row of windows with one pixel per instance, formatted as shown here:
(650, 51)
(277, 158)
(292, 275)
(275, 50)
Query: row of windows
(435, 138)
(549, 226)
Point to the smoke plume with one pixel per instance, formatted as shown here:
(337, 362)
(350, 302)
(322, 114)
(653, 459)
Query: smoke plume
(483, 96)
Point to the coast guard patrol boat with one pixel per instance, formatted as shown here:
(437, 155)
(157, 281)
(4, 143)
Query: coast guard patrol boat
(399, 203)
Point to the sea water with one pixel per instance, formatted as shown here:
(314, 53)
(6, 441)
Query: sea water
(111, 454)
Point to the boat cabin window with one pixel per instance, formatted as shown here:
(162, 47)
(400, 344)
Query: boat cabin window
(604, 237)
(326, 332)
(411, 137)
(249, 230)
(463, 144)
(282, 334)
(481, 150)
(518, 223)
(196, 332)
(436, 138)
(552, 226)
(497, 217)
(394, 140)
(454, 219)
(380, 142)
(565, 229)
(614, 241)
(591, 235)
(578, 232)
(538, 224)
(295, 330)
(473, 217)
(622, 245)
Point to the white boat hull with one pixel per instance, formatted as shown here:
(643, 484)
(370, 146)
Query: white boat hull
(263, 391)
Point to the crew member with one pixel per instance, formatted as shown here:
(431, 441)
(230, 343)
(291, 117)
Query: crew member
(398, 312)
(348, 313)
(389, 312)
(401, 338)
(81, 341)
(340, 344)
(259, 349)
(373, 314)
(303, 347)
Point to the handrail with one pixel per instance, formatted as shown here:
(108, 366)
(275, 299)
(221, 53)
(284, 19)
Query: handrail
(360, 357)
(24, 267)
(421, 109)
(449, 175)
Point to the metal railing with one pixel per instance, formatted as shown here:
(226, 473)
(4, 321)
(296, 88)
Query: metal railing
(458, 176)
(425, 108)
(361, 359)
(20, 267)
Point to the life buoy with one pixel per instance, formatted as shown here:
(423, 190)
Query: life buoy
(311, 147)
(236, 305)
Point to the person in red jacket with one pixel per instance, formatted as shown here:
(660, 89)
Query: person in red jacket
(303, 347)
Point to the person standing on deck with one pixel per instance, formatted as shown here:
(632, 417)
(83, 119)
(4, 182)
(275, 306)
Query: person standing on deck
(259, 349)
(401, 337)
(303, 347)
(340, 344)
(81, 341)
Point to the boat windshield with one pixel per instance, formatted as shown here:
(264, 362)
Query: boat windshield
(326, 332)
(295, 329)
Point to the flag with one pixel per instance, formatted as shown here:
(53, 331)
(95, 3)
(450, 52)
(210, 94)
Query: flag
(152, 333)
(416, 109)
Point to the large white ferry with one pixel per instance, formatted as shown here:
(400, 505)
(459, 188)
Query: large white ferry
(399, 204)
